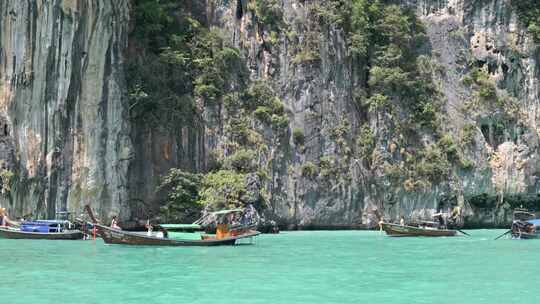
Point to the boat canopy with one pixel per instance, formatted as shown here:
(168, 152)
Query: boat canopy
(181, 226)
(44, 226)
(220, 212)
(523, 215)
(45, 222)
(535, 222)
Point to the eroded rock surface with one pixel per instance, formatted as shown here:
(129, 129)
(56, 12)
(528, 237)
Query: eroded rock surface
(62, 91)
(70, 142)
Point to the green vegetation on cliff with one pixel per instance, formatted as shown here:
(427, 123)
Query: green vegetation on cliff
(268, 12)
(223, 189)
(389, 44)
(183, 68)
(178, 61)
(182, 199)
(528, 12)
(188, 193)
(393, 126)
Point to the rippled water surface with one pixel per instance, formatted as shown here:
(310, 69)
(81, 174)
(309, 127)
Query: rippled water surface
(292, 267)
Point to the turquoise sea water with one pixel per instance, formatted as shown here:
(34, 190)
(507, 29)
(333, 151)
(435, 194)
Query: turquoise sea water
(292, 267)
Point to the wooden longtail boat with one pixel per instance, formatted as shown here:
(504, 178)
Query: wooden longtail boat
(116, 236)
(13, 233)
(224, 236)
(399, 230)
(41, 229)
(524, 225)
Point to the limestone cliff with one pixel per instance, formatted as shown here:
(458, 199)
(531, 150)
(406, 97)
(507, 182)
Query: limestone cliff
(62, 97)
(346, 150)
(319, 92)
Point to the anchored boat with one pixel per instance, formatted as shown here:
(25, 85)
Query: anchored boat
(42, 230)
(524, 225)
(226, 234)
(116, 236)
(425, 230)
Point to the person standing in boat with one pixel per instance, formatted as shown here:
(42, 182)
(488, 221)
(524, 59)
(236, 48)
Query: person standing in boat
(442, 224)
(114, 223)
(402, 221)
(2, 217)
(149, 228)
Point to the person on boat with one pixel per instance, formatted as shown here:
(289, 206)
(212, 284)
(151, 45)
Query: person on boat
(531, 228)
(114, 223)
(402, 221)
(2, 217)
(381, 222)
(245, 218)
(149, 228)
(440, 218)
(456, 212)
(163, 233)
(454, 217)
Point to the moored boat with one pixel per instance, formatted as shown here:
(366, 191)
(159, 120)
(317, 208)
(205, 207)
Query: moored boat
(42, 230)
(524, 225)
(405, 230)
(117, 236)
(225, 235)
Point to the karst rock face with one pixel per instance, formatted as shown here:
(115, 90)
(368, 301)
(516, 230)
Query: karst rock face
(67, 137)
(63, 103)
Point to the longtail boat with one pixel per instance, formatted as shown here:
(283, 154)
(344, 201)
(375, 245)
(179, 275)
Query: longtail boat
(405, 230)
(524, 225)
(42, 230)
(225, 235)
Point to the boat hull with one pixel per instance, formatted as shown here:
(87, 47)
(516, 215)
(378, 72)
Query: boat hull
(524, 236)
(116, 236)
(398, 230)
(17, 234)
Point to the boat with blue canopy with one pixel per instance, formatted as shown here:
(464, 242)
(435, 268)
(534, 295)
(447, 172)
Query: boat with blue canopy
(42, 229)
